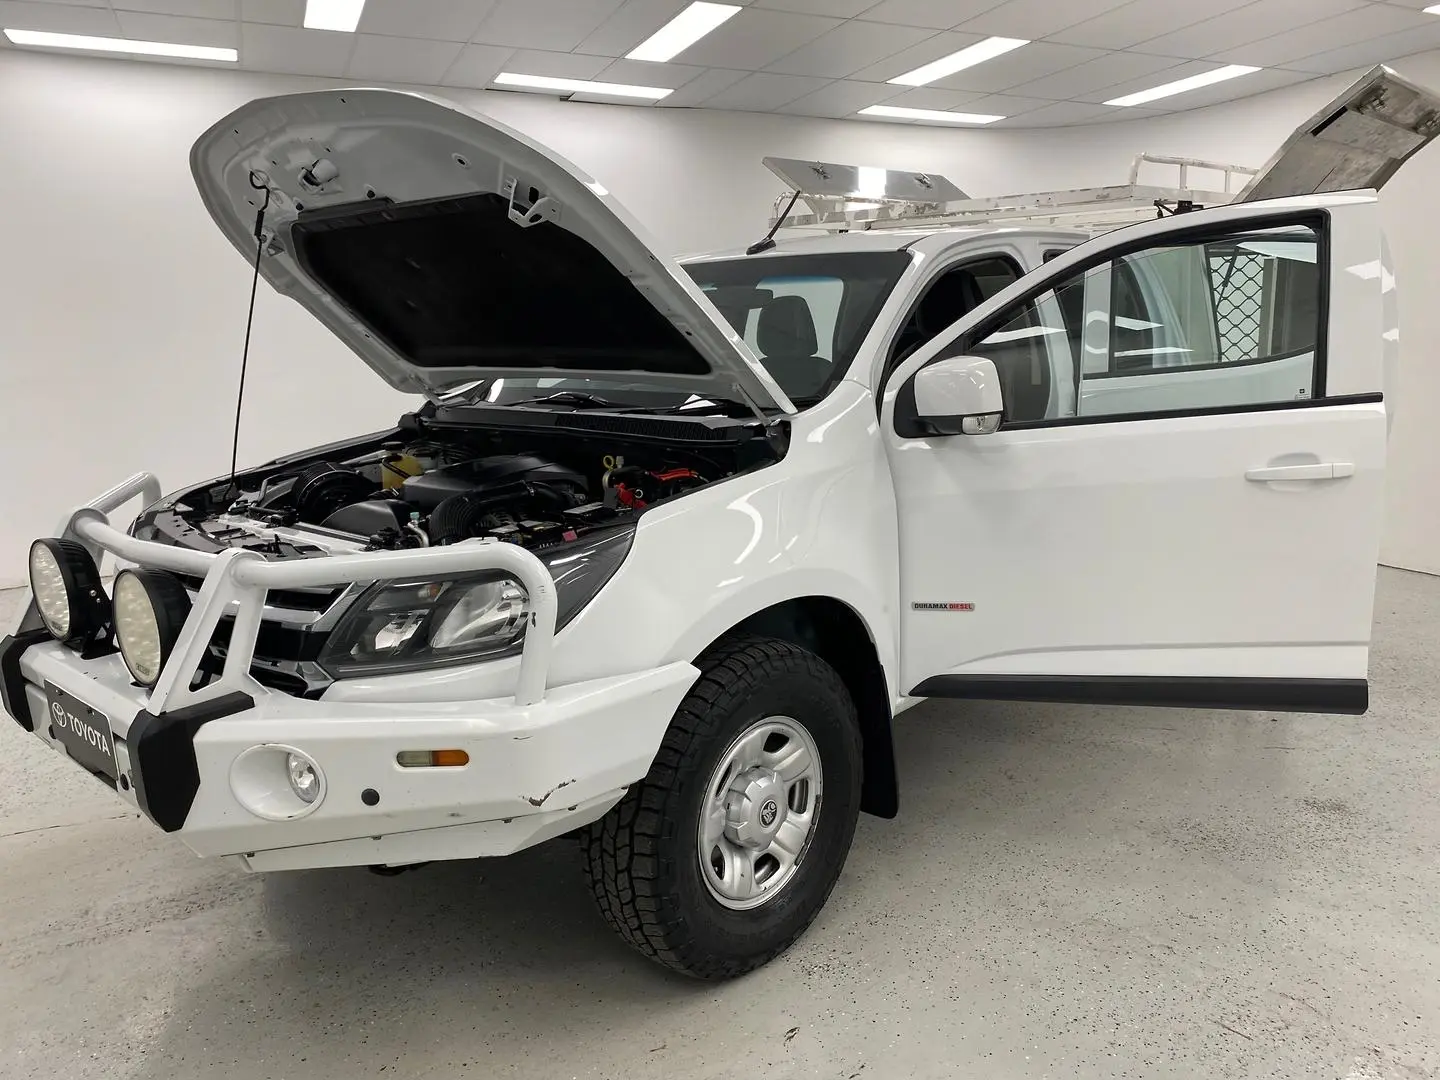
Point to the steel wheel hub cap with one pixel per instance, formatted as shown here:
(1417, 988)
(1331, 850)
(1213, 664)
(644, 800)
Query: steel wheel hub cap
(759, 812)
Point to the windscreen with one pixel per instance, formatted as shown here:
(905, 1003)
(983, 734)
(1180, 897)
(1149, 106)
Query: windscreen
(804, 316)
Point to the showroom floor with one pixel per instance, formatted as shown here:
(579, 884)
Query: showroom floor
(1068, 892)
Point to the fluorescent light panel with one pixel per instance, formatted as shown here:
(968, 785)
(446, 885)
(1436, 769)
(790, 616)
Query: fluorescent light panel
(682, 31)
(581, 86)
(42, 39)
(959, 61)
(894, 112)
(1433, 10)
(1180, 86)
(341, 15)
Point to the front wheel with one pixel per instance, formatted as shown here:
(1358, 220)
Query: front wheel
(724, 854)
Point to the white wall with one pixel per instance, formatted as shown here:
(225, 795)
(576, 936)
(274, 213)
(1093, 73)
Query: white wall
(122, 309)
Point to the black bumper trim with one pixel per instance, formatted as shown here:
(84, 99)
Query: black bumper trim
(162, 757)
(12, 683)
(1342, 696)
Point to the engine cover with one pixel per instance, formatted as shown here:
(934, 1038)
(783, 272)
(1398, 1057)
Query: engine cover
(430, 489)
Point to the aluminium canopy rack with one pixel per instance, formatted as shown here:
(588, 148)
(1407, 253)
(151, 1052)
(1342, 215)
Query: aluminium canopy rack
(843, 198)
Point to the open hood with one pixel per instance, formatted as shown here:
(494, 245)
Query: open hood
(1356, 142)
(444, 248)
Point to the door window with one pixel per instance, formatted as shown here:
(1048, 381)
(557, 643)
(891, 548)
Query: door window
(1225, 322)
(955, 293)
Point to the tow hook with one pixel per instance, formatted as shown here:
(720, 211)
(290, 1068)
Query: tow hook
(395, 871)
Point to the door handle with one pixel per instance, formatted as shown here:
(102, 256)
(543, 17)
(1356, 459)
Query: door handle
(1325, 470)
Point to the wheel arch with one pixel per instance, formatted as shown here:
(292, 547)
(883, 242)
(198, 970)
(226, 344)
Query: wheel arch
(839, 635)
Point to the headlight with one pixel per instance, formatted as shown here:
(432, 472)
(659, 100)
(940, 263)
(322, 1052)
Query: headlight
(68, 594)
(404, 626)
(398, 626)
(151, 607)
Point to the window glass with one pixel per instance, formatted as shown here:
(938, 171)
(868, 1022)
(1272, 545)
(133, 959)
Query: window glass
(1228, 322)
(804, 316)
(955, 293)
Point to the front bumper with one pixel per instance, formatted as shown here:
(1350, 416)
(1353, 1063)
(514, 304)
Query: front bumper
(540, 763)
(535, 770)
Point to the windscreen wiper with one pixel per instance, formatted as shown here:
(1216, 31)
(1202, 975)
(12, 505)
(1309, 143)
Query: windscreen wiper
(578, 398)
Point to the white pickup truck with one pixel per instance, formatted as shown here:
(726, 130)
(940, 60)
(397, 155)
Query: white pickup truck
(668, 546)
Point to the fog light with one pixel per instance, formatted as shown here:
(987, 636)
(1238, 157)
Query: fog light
(66, 585)
(151, 607)
(304, 777)
(277, 782)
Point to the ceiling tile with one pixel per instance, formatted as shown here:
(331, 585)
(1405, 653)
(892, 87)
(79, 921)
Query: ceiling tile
(764, 91)
(554, 25)
(214, 32)
(629, 25)
(434, 20)
(1376, 51)
(840, 99)
(1259, 20)
(59, 18)
(932, 48)
(754, 38)
(1026, 64)
(559, 65)
(1140, 20)
(931, 97)
(642, 73)
(936, 14)
(701, 88)
(476, 66)
(840, 9)
(401, 60)
(1375, 20)
(1062, 113)
(1004, 105)
(294, 52)
(198, 9)
(1035, 19)
(1106, 70)
(279, 12)
(848, 48)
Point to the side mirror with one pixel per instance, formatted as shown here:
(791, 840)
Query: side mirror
(959, 395)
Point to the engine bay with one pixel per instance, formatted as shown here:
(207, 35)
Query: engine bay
(425, 485)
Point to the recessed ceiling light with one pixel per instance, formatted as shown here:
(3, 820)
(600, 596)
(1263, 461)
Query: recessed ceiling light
(682, 31)
(894, 112)
(341, 15)
(581, 86)
(45, 40)
(1180, 86)
(959, 61)
(1433, 10)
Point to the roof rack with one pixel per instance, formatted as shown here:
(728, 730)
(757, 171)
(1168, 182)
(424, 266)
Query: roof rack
(842, 198)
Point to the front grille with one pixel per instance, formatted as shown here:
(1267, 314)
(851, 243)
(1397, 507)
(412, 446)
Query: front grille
(317, 600)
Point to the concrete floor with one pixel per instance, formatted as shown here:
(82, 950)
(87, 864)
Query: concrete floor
(1068, 892)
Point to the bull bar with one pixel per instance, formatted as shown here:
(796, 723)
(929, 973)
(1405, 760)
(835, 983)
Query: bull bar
(241, 580)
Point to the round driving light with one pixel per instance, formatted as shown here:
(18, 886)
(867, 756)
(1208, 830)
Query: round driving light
(66, 585)
(304, 777)
(151, 607)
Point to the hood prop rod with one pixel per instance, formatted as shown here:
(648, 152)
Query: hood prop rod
(249, 324)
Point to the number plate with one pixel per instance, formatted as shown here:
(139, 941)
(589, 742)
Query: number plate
(84, 732)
